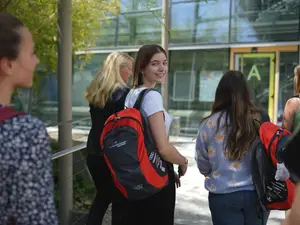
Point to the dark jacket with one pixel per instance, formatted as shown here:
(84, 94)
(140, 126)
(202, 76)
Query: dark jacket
(100, 115)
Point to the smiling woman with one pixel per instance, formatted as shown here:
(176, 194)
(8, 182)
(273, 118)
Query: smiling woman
(150, 68)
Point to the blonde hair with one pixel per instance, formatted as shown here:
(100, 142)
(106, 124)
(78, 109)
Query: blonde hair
(108, 79)
(297, 80)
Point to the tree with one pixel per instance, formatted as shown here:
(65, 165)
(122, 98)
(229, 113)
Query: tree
(41, 18)
(4, 4)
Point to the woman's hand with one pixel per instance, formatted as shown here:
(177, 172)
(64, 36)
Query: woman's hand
(177, 180)
(293, 215)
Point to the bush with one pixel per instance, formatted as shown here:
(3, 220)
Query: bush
(83, 191)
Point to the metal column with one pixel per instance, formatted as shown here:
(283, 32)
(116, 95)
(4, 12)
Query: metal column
(65, 109)
(164, 44)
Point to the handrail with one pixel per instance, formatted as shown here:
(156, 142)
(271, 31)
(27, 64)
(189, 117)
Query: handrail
(69, 121)
(83, 145)
(68, 151)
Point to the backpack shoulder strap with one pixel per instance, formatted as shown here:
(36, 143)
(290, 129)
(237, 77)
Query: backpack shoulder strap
(8, 112)
(141, 96)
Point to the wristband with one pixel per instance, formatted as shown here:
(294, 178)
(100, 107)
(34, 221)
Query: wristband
(186, 161)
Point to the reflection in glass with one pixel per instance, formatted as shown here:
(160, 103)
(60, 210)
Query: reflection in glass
(200, 22)
(288, 61)
(47, 96)
(107, 33)
(134, 5)
(193, 77)
(140, 28)
(84, 73)
(258, 20)
(259, 70)
(184, 86)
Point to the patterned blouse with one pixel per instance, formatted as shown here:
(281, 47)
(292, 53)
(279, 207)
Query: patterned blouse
(222, 175)
(26, 186)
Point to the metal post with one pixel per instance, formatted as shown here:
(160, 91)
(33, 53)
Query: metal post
(164, 44)
(65, 109)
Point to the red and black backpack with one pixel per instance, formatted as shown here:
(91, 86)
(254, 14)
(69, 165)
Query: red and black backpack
(273, 194)
(136, 166)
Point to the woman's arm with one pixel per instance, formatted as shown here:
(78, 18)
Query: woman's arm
(290, 109)
(201, 151)
(167, 150)
(293, 216)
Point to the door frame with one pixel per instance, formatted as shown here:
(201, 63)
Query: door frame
(271, 49)
(271, 57)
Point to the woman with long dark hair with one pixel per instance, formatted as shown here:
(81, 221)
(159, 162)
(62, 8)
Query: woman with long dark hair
(223, 154)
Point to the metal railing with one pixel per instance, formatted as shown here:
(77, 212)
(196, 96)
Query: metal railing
(80, 183)
(83, 146)
(83, 189)
(69, 151)
(69, 121)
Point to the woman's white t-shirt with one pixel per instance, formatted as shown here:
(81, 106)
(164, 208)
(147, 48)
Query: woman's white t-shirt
(152, 103)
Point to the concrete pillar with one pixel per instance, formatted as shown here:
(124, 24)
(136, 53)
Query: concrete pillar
(165, 44)
(65, 109)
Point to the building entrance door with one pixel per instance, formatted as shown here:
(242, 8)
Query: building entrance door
(259, 68)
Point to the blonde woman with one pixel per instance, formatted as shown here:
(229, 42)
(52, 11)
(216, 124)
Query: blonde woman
(291, 114)
(106, 94)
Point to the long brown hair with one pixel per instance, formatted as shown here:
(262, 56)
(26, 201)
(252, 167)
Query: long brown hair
(233, 97)
(144, 56)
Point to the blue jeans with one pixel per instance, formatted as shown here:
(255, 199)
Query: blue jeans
(237, 208)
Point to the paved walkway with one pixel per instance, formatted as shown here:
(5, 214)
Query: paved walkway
(192, 205)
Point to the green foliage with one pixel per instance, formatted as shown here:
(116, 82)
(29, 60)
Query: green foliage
(4, 4)
(88, 17)
(84, 191)
(41, 18)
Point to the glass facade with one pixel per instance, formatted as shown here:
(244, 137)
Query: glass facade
(287, 62)
(198, 22)
(139, 28)
(193, 74)
(264, 20)
(139, 5)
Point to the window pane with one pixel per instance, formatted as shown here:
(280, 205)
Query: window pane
(193, 78)
(83, 76)
(107, 33)
(273, 20)
(126, 31)
(140, 28)
(127, 5)
(200, 22)
(184, 86)
(288, 61)
(138, 5)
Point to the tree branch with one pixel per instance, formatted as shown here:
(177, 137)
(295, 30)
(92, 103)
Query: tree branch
(4, 5)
